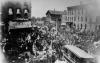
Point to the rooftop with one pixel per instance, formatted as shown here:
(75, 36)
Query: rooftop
(56, 12)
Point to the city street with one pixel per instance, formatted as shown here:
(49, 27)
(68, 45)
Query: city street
(49, 31)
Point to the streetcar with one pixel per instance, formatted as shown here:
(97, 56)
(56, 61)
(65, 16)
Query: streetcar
(74, 54)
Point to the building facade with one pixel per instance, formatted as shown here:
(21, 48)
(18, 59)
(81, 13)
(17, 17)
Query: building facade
(55, 16)
(82, 17)
(79, 16)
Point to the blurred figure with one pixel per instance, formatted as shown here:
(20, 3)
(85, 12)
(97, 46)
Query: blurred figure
(2, 57)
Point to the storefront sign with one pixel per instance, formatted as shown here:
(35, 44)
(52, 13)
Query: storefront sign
(14, 25)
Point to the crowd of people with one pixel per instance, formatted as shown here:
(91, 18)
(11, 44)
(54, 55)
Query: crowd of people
(43, 42)
(37, 41)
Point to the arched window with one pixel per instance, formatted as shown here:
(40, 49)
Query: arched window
(18, 13)
(26, 13)
(10, 11)
(10, 14)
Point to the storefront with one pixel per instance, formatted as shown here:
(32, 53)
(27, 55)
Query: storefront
(18, 37)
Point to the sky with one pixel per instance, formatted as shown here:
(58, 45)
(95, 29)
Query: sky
(40, 7)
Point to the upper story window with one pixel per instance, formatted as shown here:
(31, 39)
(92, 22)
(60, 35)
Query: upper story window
(68, 12)
(68, 18)
(85, 26)
(78, 26)
(86, 19)
(26, 13)
(81, 26)
(10, 11)
(78, 18)
(75, 12)
(78, 11)
(72, 12)
(81, 18)
(74, 18)
(18, 11)
(82, 11)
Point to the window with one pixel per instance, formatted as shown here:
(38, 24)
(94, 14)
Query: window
(70, 18)
(85, 26)
(26, 13)
(78, 26)
(86, 19)
(81, 26)
(78, 18)
(65, 50)
(97, 27)
(18, 11)
(75, 11)
(10, 11)
(73, 56)
(74, 18)
(81, 18)
(78, 12)
(82, 11)
(72, 12)
(68, 13)
(66, 18)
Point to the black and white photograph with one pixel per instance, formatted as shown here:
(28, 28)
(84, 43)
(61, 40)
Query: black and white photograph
(49, 31)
